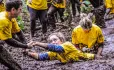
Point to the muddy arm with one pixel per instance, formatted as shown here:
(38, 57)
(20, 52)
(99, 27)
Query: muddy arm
(16, 43)
(43, 45)
(21, 37)
(100, 49)
(50, 47)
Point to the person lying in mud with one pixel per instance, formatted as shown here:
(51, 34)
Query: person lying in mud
(88, 37)
(59, 50)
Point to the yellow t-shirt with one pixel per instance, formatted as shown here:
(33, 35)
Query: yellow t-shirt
(70, 54)
(59, 5)
(38, 4)
(2, 7)
(87, 39)
(7, 27)
(110, 4)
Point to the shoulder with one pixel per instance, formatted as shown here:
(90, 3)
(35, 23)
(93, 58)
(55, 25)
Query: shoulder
(3, 19)
(67, 44)
(78, 28)
(95, 27)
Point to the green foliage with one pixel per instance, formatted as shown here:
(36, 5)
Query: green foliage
(20, 22)
(67, 11)
(24, 6)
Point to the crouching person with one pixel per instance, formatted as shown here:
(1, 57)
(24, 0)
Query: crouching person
(9, 28)
(88, 37)
(59, 50)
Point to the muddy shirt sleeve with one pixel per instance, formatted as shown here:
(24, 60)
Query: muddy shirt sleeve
(87, 56)
(15, 43)
(100, 38)
(21, 37)
(55, 48)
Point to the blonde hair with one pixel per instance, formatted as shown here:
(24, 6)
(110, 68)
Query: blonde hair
(85, 23)
(83, 15)
(59, 35)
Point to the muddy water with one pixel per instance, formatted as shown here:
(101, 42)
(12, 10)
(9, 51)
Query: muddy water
(27, 63)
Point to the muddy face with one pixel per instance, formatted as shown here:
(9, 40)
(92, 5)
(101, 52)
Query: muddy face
(55, 40)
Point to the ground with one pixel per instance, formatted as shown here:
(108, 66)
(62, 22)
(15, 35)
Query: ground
(27, 63)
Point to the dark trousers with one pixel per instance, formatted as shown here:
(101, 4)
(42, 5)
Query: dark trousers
(96, 3)
(74, 2)
(7, 60)
(99, 16)
(99, 12)
(51, 17)
(34, 15)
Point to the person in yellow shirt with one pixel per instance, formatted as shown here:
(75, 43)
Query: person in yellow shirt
(109, 7)
(2, 7)
(56, 6)
(59, 50)
(8, 31)
(88, 37)
(37, 9)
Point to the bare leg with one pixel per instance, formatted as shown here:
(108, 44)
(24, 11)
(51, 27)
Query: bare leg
(33, 55)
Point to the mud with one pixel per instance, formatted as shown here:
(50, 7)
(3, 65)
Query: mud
(27, 63)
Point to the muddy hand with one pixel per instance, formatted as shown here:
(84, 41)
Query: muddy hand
(85, 49)
(98, 57)
(30, 43)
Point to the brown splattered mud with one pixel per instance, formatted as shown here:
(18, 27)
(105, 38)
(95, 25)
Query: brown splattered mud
(27, 63)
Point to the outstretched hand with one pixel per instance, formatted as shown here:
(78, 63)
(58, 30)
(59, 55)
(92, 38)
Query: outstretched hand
(32, 43)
